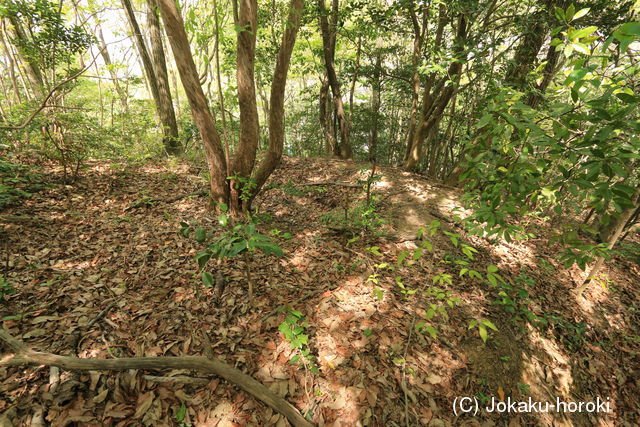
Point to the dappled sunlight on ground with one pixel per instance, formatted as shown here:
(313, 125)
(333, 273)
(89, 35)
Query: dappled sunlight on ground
(114, 237)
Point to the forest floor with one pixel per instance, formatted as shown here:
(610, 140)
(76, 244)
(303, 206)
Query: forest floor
(112, 241)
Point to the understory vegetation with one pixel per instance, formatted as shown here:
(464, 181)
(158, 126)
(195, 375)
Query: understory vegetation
(318, 213)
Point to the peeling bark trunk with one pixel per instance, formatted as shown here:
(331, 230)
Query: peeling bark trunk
(245, 156)
(197, 101)
(278, 86)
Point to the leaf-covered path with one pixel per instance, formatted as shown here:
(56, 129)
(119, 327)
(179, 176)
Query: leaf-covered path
(101, 271)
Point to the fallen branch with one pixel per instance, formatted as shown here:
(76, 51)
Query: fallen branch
(340, 184)
(180, 379)
(25, 356)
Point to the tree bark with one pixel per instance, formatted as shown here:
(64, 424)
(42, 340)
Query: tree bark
(616, 231)
(278, 86)
(171, 142)
(197, 101)
(150, 73)
(114, 76)
(245, 155)
(329, 33)
(375, 107)
(418, 39)
(432, 108)
(33, 71)
(325, 121)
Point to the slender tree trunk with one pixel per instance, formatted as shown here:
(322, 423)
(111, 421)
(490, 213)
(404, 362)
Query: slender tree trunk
(432, 108)
(197, 101)
(548, 73)
(278, 86)
(418, 38)
(171, 142)
(375, 107)
(619, 224)
(11, 66)
(168, 126)
(329, 33)
(354, 80)
(112, 72)
(245, 155)
(33, 71)
(219, 83)
(329, 139)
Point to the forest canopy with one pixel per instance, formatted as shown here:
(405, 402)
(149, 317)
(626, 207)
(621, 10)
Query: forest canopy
(527, 113)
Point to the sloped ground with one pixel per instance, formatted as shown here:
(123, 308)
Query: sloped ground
(112, 242)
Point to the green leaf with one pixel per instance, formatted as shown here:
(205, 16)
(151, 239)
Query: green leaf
(401, 257)
(582, 32)
(492, 269)
(207, 279)
(570, 12)
(202, 258)
(484, 121)
(432, 331)
(236, 249)
(483, 332)
(201, 235)
(629, 99)
(559, 13)
(489, 324)
(579, 47)
(270, 249)
(579, 14)
(630, 29)
(181, 413)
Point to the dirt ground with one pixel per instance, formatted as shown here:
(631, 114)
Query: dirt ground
(112, 241)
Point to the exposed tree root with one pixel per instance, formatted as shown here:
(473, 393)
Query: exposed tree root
(25, 356)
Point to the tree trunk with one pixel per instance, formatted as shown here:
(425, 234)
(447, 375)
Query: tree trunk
(325, 123)
(548, 72)
(418, 38)
(329, 33)
(10, 66)
(375, 107)
(171, 141)
(619, 223)
(114, 76)
(33, 71)
(245, 155)
(278, 85)
(147, 65)
(197, 101)
(432, 108)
